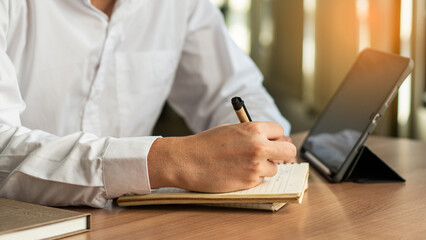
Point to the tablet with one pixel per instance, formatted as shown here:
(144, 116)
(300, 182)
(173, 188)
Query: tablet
(353, 112)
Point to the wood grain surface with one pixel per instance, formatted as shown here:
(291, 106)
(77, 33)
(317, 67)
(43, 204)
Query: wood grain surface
(341, 211)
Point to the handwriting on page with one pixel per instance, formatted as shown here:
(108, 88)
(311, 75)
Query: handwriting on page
(276, 184)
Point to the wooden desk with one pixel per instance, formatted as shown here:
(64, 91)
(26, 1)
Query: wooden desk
(344, 211)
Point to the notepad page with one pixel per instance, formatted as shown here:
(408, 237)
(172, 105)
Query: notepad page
(287, 180)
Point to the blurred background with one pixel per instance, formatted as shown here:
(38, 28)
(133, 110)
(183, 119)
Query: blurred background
(304, 48)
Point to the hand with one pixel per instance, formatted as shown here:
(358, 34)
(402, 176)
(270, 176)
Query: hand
(221, 159)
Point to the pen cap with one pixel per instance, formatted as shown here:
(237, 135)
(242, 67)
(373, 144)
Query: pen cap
(237, 103)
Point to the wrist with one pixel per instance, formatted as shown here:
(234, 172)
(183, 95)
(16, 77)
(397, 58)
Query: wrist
(163, 170)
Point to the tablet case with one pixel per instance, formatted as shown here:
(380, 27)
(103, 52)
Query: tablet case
(369, 168)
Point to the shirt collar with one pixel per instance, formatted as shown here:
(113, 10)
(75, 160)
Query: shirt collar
(122, 8)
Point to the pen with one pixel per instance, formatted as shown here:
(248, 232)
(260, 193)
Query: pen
(242, 113)
(240, 109)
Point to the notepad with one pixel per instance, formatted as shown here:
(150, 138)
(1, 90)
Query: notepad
(274, 207)
(287, 186)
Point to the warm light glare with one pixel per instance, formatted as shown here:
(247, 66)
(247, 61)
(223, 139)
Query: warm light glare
(404, 93)
(241, 36)
(240, 5)
(362, 8)
(406, 19)
(309, 6)
(308, 55)
(238, 23)
(218, 2)
(266, 35)
(404, 101)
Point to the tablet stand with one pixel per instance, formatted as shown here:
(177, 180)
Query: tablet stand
(369, 168)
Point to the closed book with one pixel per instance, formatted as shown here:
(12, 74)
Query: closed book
(21, 220)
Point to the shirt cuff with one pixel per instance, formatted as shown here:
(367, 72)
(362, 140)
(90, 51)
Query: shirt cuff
(125, 166)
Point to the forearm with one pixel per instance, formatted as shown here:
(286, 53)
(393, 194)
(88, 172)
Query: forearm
(78, 169)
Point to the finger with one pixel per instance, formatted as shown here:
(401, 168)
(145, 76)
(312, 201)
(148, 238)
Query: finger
(293, 160)
(253, 184)
(281, 151)
(269, 169)
(272, 130)
(285, 138)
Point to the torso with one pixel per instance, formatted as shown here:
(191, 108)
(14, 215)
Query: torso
(75, 66)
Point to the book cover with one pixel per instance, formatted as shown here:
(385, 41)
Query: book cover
(21, 220)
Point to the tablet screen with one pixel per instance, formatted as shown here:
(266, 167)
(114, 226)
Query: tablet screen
(363, 92)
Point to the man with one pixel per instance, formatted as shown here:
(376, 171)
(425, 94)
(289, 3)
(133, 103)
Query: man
(82, 84)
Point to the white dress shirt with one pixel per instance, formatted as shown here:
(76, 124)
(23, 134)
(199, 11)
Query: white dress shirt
(80, 93)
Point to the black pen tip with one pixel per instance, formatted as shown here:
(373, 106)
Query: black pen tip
(237, 103)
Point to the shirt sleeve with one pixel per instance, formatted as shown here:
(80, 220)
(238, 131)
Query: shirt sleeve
(215, 70)
(77, 169)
